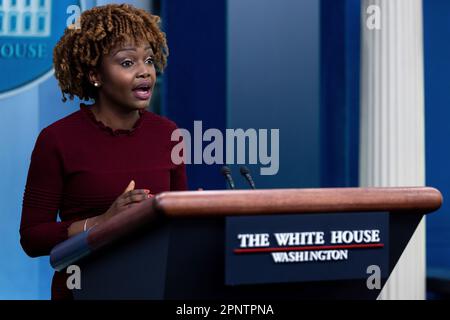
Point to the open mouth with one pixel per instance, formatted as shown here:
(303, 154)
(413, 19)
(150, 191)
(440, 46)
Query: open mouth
(142, 92)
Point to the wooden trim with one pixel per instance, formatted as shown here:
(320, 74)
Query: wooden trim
(261, 202)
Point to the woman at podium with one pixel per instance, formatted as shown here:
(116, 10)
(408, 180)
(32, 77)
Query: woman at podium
(110, 154)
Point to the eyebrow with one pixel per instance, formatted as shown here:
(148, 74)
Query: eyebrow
(130, 49)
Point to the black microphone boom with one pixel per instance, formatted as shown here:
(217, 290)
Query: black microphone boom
(246, 173)
(226, 172)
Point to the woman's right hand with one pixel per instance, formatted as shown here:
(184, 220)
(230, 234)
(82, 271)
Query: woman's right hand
(127, 199)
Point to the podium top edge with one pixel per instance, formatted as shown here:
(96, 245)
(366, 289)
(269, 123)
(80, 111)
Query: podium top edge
(311, 200)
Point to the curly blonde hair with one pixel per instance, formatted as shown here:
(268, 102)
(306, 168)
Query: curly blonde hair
(102, 29)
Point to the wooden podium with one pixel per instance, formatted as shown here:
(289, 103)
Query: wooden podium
(173, 245)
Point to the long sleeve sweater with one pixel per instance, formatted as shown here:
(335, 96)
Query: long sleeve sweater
(79, 166)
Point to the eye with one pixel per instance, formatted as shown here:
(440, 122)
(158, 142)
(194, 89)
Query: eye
(127, 64)
(150, 61)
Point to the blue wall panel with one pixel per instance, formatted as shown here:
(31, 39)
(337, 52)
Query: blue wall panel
(340, 67)
(195, 80)
(19, 275)
(437, 115)
(274, 83)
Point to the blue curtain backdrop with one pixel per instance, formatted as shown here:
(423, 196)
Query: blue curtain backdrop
(340, 68)
(437, 129)
(195, 79)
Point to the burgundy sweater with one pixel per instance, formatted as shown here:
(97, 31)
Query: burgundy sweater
(79, 166)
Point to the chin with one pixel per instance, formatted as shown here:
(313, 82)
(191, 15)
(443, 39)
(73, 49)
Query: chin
(143, 105)
(138, 105)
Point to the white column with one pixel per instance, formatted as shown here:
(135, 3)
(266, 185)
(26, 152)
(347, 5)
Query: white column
(392, 122)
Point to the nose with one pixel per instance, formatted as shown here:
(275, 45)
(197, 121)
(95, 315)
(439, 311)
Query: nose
(144, 74)
(144, 71)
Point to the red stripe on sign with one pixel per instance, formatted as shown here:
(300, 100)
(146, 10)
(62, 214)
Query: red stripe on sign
(349, 246)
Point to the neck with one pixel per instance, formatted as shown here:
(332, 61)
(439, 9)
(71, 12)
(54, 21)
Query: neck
(115, 117)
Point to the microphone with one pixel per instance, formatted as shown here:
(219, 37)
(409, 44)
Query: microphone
(226, 172)
(246, 173)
